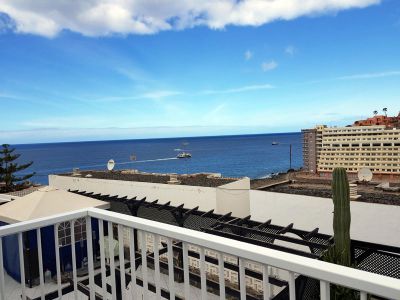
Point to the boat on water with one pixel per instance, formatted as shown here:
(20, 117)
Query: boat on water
(275, 143)
(184, 155)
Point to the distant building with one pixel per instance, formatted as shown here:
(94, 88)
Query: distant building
(376, 147)
(390, 122)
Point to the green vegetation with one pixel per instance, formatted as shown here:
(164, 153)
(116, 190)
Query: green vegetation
(340, 253)
(8, 168)
(341, 216)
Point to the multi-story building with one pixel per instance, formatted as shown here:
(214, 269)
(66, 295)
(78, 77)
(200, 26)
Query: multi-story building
(312, 142)
(376, 147)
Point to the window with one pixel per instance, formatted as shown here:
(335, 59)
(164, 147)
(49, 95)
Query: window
(64, 232)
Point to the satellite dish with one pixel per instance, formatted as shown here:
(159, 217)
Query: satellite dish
(364, 174)
(110, 165)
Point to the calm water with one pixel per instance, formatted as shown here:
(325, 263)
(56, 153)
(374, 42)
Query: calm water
(246, 155)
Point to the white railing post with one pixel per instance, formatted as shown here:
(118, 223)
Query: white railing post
(171, 270)
(242, 279)
(58, 268)
(73, 250)
(221, 273)
(22, 264)
(186, 276)
(40, 262)
(203, 273)
(89, 246)
(132, 261)
(266, 285)
(157, 265)
(121, 260)
(325, 290)
(144, 265)
(102, 259)
(2, 285)
(112, 262)
(363, 295)
(292, 286)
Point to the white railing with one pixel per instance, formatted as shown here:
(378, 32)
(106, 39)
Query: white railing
(327, 274)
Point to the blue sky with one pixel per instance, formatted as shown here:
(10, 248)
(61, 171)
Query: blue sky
(200, 71)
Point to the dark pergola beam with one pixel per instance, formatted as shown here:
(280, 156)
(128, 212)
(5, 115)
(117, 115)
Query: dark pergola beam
(190, 211)
(244, 220)
(165, 205)
(286, 229)
(311, 234)
(130, 200)
(264, 225)
(273, 235)
(180, 207)
(225, 216)
(207, 214)
(152, 203)
(260, 243)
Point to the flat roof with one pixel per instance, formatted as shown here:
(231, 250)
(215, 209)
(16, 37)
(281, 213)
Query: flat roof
(199, 179)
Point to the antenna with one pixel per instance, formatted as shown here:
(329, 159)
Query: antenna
(110, 165)
(364, 174)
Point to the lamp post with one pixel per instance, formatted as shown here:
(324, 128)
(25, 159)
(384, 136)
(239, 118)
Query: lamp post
(290, 152)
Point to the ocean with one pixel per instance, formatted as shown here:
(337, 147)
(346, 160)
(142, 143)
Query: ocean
(232, 156)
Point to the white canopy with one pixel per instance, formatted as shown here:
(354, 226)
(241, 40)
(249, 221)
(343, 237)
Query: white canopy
(45, 202)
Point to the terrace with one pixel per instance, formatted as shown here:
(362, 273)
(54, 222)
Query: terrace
(162, 268)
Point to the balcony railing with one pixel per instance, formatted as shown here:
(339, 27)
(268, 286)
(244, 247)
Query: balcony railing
(101, 282)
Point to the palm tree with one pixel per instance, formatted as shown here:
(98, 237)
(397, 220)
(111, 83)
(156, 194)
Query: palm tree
(385, 111)
(375, 112)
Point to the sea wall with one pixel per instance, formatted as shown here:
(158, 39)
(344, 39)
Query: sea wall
(372, 222)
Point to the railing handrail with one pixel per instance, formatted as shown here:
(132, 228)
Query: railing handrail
(357, 279)
(42, 222)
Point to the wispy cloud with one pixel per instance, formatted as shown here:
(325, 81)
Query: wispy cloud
(151, 95)
(290, 50)
(248, 55)
(369, 75)
(241, 89)
(360, 76)
(10, 96)
(156, 95)
(269, 65)
(216, 115)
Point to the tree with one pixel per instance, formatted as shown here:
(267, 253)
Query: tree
(385, 111)
(9, 168)
(375, 112)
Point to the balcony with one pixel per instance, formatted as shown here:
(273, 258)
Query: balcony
(158, 273)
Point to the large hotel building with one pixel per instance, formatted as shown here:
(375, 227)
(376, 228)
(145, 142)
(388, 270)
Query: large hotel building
(373, 143)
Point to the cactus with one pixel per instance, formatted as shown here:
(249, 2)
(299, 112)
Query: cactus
(341, 216)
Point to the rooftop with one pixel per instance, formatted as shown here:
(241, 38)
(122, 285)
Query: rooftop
(199, 179)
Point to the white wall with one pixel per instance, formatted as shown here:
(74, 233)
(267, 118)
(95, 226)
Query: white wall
(191, 196)
(376, 223)
(234, 197)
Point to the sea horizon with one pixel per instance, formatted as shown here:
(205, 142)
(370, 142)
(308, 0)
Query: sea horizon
(251, 155)
(156, 138)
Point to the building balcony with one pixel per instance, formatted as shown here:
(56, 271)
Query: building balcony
(111, 259)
